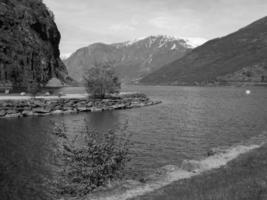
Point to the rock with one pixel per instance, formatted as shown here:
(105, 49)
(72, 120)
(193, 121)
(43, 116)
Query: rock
(47, 94)
(95, 109)
(142, 104)
(15, 115)
(149, 103)
(57, 112)
(60, 94)
(90, 104)
(69, 111)
(191, 165)
(50, 107)
(211, 152)
(2, 113)
(10, 112)
(22, 94)
(40, 110)
(118, 106)
(81, 104)
(38, 103)
(83, 109)
(27, 113)
(38, 107)
(157, 102)
(66, 108)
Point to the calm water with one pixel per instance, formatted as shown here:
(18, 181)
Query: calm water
(190, 121)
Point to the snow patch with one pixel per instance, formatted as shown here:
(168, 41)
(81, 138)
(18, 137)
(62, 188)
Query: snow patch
(188, 42)
(173, 47)
(194, 42)
(65, 56)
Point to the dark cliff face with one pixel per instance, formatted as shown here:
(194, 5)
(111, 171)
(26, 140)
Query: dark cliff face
(29, 44)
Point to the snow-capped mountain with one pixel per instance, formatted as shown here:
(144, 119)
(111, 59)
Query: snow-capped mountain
(188, 42)
(131, 59)
(237, 57)
(194, 41)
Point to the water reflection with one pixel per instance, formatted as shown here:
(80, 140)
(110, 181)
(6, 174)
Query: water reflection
(190, 121)
(26, 157)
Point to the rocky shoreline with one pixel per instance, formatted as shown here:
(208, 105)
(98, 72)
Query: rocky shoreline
(43, 107)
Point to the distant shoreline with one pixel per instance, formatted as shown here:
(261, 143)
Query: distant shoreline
(217, 84)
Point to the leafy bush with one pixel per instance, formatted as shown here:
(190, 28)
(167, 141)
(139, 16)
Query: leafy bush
(101, 80)
(33, 88)
(94, 164)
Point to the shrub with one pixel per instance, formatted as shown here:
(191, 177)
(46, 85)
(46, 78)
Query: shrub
(101, 80)
(94, 164)
(33, 88)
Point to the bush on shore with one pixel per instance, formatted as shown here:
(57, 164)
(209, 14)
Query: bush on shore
(102, 80)
(93, 165)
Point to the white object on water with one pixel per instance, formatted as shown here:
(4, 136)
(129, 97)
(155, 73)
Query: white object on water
(248, 92)
(22, 94)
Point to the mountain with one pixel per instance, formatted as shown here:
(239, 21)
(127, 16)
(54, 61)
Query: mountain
(240, 56)
(29, 44)
(131, 59)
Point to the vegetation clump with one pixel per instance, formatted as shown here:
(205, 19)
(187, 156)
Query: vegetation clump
(99, 161)
(102, 80)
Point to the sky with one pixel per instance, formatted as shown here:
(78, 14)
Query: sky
(83, 22)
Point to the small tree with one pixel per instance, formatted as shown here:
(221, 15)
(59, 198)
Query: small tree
(102, 159)
(33, 88)
(101, 80)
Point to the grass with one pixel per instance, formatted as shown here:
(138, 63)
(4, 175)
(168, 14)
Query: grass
(244, 178)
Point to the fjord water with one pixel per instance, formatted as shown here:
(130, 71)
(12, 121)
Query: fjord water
(189, 122)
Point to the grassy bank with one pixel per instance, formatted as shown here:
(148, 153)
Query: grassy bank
(244, 178)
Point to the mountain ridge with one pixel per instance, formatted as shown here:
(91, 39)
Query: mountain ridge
(131, 59)
(218, 58)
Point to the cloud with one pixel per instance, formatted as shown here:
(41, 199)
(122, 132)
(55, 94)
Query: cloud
(84, 22)
(161, 22)
(122, 28)
(135, 20)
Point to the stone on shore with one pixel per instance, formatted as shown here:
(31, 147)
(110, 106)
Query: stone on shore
(2, 113)
(36, 107)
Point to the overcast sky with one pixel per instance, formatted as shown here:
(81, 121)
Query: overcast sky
(82, 22)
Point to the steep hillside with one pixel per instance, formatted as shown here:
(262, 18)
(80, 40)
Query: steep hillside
(29, 40)
(240, 56)
(131, 60)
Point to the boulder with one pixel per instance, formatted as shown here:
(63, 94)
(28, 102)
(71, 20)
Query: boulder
(89, 104)
(95, 109)
(191, 165)
(2, 113)
(118, 106)
(57, 112)
(10, 112)
(40, 110)
(15, 115)
(83, 109)
(27, 113)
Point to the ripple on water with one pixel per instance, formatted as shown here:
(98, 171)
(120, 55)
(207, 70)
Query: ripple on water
(189, 122)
